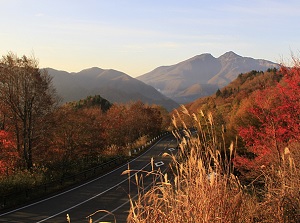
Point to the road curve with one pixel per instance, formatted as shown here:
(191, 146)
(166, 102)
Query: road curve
(108, 192)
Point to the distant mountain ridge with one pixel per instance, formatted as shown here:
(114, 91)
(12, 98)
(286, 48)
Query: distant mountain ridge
(201, 75)
(167, 86)
(113, 85)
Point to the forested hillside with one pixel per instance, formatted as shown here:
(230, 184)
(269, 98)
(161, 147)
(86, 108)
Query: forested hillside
(228, 104)
(260, 112)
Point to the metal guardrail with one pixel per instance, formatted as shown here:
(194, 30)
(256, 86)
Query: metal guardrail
(137, 150)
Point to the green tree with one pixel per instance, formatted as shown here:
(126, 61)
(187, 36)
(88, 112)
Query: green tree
(218, 93)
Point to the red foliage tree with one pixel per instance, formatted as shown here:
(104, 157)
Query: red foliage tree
(276, 112)
(8, 153)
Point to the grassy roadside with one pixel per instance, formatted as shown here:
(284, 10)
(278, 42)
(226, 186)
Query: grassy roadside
(204, 188)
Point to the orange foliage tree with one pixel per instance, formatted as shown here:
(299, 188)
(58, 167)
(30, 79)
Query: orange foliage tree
(79, 134)
(127, 123)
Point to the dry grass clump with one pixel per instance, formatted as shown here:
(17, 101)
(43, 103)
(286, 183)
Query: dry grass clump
(202, 187)
(123, 150)
(281, 197)
(140, 142)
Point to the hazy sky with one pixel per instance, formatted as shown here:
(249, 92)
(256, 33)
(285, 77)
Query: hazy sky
(136, 36)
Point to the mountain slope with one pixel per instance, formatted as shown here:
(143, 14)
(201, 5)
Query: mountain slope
(112, 85)
(230, 106)
(201, 75)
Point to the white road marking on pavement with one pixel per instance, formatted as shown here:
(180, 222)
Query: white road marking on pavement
(158, 164)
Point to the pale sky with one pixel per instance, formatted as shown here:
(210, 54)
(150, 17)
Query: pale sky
(136, 36)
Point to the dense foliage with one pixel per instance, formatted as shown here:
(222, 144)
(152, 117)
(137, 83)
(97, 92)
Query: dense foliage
(88, 132)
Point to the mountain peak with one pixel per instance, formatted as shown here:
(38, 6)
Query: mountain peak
(92, 69)
(91, 72)
(203, 56)
(229, 54)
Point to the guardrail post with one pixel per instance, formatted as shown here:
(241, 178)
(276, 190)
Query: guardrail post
(4, 201)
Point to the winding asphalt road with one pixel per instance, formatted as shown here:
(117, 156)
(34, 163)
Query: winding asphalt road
(108, 192)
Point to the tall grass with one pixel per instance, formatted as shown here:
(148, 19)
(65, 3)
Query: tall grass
(201, 187)
(281, 193)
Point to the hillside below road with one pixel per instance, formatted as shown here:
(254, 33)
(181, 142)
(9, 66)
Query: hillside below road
(108, 192)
